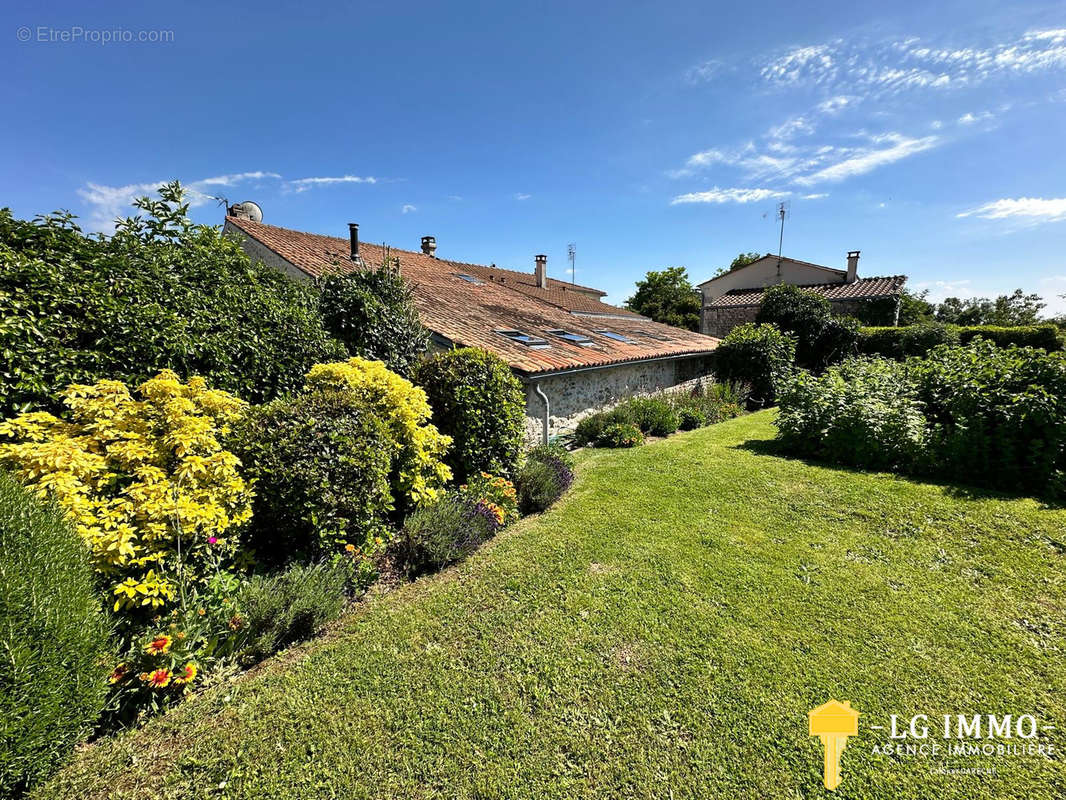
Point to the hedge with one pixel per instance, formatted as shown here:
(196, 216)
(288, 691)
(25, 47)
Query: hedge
(53, 640)
(917, 340)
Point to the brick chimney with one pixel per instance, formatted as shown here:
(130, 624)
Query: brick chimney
(853, 267)
(353, 235)
(541, 272)
(429, 246)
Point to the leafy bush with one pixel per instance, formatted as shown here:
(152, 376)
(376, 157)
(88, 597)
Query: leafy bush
(821, 338)
(53, 640)
(372, 312)
(417, 447)
(655, 416)
(161, 293)
(285, 608)
(322, 463)
(451, 527)
(864, 412)
(911, 340)
(917, 340)
(1047, 337)
(758, 355)
(544, 476)
(331, 464)
(620, 434)
(478, 401)
(690, 415)
(589, 429)
(980, 413)
(145, 482)
(997, 414)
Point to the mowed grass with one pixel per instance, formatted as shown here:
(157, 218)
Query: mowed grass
(662, 632)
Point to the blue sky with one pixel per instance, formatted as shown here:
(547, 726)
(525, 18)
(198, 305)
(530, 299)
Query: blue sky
(930, 136)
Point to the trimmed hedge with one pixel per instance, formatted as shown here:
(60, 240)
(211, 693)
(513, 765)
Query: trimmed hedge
(54, 650)
(478, 401)
(917, 340)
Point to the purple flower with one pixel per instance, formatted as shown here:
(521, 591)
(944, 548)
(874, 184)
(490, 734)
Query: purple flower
(212, 540)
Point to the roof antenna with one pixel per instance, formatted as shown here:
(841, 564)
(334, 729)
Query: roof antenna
(783, 210)
(571, 252)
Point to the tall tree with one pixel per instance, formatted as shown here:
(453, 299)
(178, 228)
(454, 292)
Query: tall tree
(1007, 310)
(667, 296)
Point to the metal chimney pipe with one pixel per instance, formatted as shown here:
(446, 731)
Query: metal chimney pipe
(353, 234)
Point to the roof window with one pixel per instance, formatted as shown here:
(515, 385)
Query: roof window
(616, 336)
(574, 338)
(534, 342)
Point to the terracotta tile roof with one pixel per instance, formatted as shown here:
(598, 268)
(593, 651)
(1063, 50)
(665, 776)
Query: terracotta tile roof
(472, 314)
(862, 289)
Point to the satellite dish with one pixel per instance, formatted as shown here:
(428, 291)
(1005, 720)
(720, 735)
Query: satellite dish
(249, 210)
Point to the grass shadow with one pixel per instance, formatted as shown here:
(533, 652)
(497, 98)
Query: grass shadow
(956, 489)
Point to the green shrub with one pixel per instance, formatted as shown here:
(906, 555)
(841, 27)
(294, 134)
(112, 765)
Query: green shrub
(760, 356)
(864, 412)
(821, 338)
(982, 414)
(544, 476)
(54, 652)
(478, 401)
(321, 465)
(655, 416)
(998, 414)
(912, 340)
(690, 416)
(161, 293)
(333, 463)
(442, 532)
(282, 609)
(917, 340)
(1047, 337)
(372, 312)
(620, 434)
(589, 429)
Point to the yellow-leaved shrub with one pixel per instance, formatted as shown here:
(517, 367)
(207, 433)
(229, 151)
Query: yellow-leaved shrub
(405, 410)
(145, 481)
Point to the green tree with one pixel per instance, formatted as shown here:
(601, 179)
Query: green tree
(667, 296)
(821, 338)
(161, 293)
(915, 308)
(742, 260)
(1007, 310)
(372, 311)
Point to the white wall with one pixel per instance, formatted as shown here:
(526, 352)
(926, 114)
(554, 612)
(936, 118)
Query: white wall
(764, 272)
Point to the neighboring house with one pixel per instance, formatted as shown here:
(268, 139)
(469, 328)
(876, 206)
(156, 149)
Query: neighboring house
(573, 352)
(733, 298)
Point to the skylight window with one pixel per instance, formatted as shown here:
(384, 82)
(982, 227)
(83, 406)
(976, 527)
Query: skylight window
(534, 342)
(469, 278)
(574, 338)
(616, 336)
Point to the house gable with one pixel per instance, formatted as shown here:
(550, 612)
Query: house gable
(768, 271)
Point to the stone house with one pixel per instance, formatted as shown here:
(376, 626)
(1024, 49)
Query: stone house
(574, 353)
(733, 298)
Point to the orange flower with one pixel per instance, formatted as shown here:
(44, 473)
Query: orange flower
(187, 675)
(159, 645)
(118, 673)
(159, 679)
(349, 548)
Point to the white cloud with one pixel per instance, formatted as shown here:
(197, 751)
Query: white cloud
(969, 118)
(703, 72)
(863, 160)
(408, 208)
(878, 68)
(522, 196)
(1053, 290)
(816, 196)
(109, 203)
(940, 290)
(455, 197)
(1027, 209)
(719, 196)
(303, 184)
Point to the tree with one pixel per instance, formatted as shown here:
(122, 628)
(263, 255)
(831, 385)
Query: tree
(1006, 310)
(162, 293)
(821, 338)
(667, 296)
(742, 260)
(914, 308)
(372, 311)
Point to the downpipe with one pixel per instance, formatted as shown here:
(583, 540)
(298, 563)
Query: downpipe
(547, 411)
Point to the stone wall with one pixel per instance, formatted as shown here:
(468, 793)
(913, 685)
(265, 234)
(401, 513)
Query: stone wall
(576, 395)
(720, 321)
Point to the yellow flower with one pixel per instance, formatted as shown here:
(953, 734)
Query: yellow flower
(157, 679)
(187, 675)
(118, 673)
(158, 645)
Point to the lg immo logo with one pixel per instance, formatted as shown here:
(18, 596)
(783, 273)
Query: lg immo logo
(956, 739)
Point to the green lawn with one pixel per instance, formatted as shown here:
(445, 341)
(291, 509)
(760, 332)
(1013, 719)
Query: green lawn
(661, 633)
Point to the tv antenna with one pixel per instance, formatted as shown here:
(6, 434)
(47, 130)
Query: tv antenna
(571, 253)
(783, 212)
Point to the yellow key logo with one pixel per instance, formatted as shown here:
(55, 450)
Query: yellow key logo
(833, 723)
